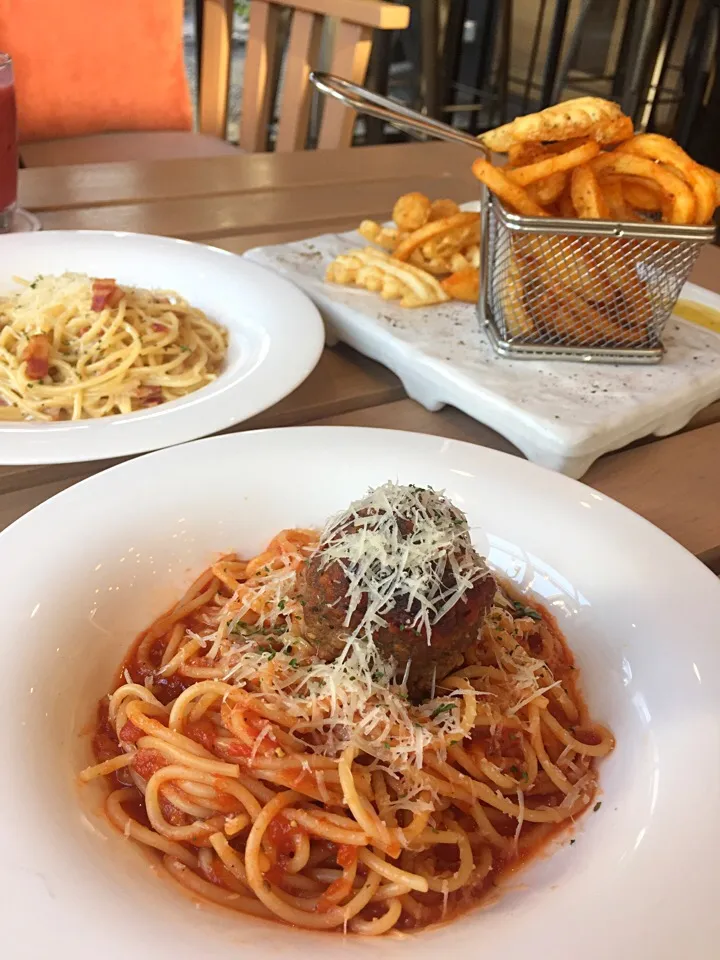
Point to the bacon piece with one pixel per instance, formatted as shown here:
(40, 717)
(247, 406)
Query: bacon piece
(159, 328)
(149, 396)
(106, 293)
(37, 357)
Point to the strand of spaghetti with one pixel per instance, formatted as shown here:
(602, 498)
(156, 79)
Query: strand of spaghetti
(555, 774)
(139, 707)
(586, 749)
(411, 906)
(566, 704)
(193, 672)
(321, 826)
(225, 785)
(212, 869)
(178, 632)
(229, 857)
(300, 762)
(360, 809)
(131, 828)
(339, 888)
(207, 692)
(380, 925)
(362, 898)
(293, 782)
(200, 829)
(129, 691)
(382, 798)
(303, 903)
(235, 825)
(462, 875)
(487, 830)
(531, 762)
(178, 798)
(193, 761)
(107, 767)
(301, 853)
(464, 787)
(392, 873)
(184, 653)
(262, 890)
(483, 768)
(258, 790)
(138, 714)
(419, 821)
(389, 891)
(203, 705)
(209, 891)
(464, 728)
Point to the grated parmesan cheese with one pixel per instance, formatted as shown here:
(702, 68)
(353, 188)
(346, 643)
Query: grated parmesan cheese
(401, 542)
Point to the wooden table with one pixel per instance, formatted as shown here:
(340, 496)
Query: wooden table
(240, 202)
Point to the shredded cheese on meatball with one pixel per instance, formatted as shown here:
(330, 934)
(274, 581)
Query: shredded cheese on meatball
(402, 542)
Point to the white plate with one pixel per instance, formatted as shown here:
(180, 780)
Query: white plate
(95, 564)
(276, 338)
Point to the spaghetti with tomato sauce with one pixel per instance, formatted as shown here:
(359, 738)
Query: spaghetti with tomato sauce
(319, 790)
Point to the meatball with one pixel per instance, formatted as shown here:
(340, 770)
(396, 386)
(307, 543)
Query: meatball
(398, 569)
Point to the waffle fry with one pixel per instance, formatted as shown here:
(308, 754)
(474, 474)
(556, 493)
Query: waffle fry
(377, 272)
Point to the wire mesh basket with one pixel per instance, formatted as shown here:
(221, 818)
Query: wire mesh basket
(581, 289)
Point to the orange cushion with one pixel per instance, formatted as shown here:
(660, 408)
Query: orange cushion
(91, 66)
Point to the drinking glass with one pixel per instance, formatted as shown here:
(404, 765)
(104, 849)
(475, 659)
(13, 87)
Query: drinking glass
(8, 144)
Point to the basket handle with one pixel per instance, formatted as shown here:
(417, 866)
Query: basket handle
(364, 101)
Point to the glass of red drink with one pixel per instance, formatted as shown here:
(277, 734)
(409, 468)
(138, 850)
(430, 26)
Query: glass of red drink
(8, 144)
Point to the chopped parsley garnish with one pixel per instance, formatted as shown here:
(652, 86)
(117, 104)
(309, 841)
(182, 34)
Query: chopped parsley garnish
(526, 611)
(572, 841)
(443, 708)
(597, 806)
(293, 662)
(281, 605)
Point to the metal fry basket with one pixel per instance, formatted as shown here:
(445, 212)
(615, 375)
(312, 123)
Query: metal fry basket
(555, 289)
(590, 290)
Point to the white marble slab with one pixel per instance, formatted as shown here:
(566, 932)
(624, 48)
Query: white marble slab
(561, 415)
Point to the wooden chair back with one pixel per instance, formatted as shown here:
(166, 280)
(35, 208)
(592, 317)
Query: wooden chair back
(355, 21)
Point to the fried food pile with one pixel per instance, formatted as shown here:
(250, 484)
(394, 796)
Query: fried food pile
(430, 254)
(581, 159)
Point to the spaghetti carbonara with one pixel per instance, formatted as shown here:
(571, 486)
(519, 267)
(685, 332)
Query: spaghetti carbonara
(75, 347)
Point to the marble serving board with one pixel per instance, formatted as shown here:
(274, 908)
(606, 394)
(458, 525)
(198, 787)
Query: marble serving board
(561, 415)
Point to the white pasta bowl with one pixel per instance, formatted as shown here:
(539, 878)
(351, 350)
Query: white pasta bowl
(86, 571)
(275, 339)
